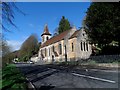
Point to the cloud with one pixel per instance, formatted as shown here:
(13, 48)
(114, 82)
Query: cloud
(14, 44)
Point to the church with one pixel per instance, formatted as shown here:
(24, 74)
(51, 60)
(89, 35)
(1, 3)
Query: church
(70, 45)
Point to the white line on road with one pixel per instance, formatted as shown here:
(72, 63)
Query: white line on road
(30, 85)
(110, 81)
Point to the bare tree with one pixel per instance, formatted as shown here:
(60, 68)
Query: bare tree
(8, 14)
(29, 47)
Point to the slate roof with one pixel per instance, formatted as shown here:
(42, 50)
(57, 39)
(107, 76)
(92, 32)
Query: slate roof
(55, 39)
(59, 37)
(74, 34)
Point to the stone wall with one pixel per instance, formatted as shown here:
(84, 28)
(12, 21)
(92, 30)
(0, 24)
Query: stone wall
(82, 54)
(105, 58)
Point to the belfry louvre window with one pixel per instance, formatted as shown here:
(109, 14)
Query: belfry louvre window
(81, 46)
(60, 49)
(47, 38)
(72, 47)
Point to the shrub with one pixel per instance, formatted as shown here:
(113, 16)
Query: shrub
(12, 78)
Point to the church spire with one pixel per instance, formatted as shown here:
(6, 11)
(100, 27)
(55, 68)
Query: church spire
(46, 31)
(46, 35)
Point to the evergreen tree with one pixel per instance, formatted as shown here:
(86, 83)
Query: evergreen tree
(63, 25)
(102, 22)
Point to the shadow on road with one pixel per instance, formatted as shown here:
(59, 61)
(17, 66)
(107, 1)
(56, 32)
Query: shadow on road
(39, 74)
(44, 76)
(35, 73)
(46, 87)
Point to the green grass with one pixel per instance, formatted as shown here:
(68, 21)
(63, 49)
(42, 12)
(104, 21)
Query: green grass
(12, 78)
(0, 84)
(0, 78)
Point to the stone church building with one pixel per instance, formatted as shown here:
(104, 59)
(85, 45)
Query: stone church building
(71, 45)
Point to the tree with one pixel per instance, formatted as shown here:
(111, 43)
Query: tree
(4, 46)
(8, 9)
(5, 53)
(29, 47)
(102, 23)
(116, 21)
(63, 25)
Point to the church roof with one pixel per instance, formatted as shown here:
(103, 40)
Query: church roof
(55, 39)
(74, 34)
(46, 31)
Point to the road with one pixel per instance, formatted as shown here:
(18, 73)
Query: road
(52, 76)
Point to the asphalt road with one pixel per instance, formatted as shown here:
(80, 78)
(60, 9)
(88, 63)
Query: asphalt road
(51, 76)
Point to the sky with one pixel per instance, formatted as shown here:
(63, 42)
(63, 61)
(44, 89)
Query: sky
(40, 13)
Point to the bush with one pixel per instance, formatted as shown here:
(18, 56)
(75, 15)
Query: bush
(12, 78)
(92, 62)
(110, 50)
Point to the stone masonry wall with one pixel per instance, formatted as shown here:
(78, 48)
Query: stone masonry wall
(105, 58)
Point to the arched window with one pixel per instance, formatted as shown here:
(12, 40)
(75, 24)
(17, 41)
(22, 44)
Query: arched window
(60, 49)
(87, 46)
(72, 47)
(83, 34)
(53, 48)
(81, 47)
(47, 38)
(84, 46)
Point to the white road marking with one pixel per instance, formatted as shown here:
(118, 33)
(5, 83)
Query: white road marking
(110, 81)
(33, 87)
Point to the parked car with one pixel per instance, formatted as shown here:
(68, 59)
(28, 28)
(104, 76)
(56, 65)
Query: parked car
(31, 62)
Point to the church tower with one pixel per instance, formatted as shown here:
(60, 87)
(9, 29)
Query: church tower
(46, 35)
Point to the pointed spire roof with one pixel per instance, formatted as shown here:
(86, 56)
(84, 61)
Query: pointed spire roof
(46, 31)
